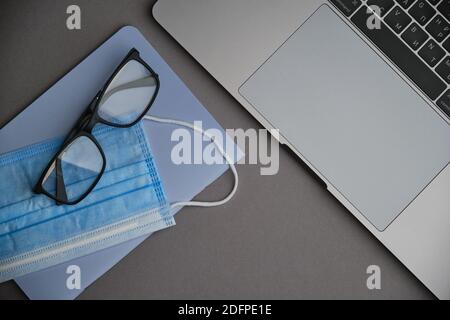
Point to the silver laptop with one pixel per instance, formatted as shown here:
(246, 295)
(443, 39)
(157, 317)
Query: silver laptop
(359, 91)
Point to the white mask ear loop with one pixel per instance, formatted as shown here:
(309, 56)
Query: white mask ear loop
(222, 152)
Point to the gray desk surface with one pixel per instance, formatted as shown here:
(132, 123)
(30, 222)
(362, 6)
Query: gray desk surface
(282, 236)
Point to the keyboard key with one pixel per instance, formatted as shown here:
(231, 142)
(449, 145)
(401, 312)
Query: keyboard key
(438, 28)
(399, 53)
(347, 7)
(414, 36)
(444, 8)
(444, 69)
(432, 53)
(434, 2)
(383, 5)
(397, 19)
(405, 3)
(444, 103)
(422, 12)
(446, 44)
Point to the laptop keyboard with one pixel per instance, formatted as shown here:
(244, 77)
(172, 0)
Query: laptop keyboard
(414, 35)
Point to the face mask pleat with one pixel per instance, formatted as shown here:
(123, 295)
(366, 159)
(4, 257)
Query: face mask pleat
(116, 170)
(34, 203)
(49, 227)
(21, 173)
(38, 203)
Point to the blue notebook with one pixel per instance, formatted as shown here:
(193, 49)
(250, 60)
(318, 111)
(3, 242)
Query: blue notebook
(53, 114)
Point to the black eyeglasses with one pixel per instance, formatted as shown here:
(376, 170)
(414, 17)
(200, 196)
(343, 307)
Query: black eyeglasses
(125, 98)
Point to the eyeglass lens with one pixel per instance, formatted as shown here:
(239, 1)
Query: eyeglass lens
(76, 169)
(128, 95)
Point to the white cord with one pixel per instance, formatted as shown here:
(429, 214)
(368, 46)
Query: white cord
(222, 152)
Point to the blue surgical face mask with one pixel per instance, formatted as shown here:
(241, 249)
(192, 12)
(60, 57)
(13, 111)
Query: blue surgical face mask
(128, 202)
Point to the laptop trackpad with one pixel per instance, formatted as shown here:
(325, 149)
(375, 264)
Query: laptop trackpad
(352, 117)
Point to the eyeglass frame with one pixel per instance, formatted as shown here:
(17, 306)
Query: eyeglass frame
(84, 127)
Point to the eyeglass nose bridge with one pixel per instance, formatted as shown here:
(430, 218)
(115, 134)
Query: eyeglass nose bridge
(90, 119)
(90, 123)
